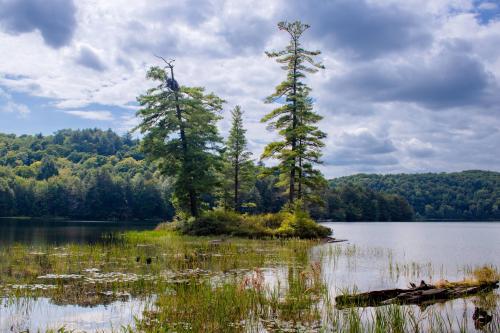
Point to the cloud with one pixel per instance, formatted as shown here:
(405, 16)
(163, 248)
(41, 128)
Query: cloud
(210, 29)
(360, 147)
(419, 149)
(366, 142)
(91, 115)
(364, 29)
(7, 105)
(90, 59)
(451, 78)
(487, 6)
(55, 20)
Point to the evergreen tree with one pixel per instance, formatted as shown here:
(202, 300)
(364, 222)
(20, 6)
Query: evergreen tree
(181, 133)
(295, 118)
(310, 180)
(238, 157)
(47, 169)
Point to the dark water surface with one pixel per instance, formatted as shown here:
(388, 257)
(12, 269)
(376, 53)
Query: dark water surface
(52, 232)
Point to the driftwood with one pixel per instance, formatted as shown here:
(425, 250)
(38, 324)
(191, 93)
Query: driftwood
(332, 240)
(424, 294)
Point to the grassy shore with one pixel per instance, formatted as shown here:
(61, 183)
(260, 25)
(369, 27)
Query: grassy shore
(202, 285)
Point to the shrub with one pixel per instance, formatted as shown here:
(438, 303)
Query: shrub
(301, 225)
(283, 224)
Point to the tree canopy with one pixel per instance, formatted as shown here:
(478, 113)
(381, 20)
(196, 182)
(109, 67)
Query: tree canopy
(87, 173)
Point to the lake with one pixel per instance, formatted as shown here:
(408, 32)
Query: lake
(53, 232)
(377, 255)
(445, 247)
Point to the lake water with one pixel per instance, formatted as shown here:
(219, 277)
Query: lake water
(376, 255)
(54, 232)
(435, 250)
(391, 255)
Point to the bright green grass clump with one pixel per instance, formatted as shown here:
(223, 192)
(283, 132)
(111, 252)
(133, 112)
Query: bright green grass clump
(281, 225)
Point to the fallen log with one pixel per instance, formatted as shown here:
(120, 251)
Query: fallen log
(329, 239)
(424, 294)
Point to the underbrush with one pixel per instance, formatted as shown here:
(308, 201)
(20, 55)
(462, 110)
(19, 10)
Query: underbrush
(279, 225)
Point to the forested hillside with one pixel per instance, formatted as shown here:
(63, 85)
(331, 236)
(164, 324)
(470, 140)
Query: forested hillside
(84, 173)
(350, 202)
(95, 174)
(98, 174)
(467, 195)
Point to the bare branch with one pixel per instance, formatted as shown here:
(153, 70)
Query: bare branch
(169, 63)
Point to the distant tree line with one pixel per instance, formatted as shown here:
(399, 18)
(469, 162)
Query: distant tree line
(356, 203)
(96, 174)
(467, 195)
(80, 174)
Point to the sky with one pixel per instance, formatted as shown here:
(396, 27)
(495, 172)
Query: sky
(409, 85)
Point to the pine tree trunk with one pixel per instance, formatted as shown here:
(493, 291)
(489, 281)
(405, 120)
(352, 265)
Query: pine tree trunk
(299, 191)
(294, 126)
(193, 205)
(236, 186)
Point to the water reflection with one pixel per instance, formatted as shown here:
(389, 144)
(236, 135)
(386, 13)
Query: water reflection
(30, 315)
(50, 231)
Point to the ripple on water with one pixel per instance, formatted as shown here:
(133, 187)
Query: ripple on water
(28, 314)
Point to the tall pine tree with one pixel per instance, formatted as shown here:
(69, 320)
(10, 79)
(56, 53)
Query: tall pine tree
(295, 119)
(180, 130)
(240, 164)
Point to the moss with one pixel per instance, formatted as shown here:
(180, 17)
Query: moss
(282, 225)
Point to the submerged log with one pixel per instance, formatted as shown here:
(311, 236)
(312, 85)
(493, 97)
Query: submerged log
(423, 294)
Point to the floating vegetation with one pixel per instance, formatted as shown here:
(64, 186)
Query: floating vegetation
(30, 287)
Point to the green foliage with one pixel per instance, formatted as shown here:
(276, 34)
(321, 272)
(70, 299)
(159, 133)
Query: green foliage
(123, 185)
(283, 224)
(300, 147)
(239, 172)
(181, 134)
(356, 203)
(47, 169)
(467, 195)
(299, 224)
(79, 174)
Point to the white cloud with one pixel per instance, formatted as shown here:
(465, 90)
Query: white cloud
(91, 115)
(488, 6)
(9, 106)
